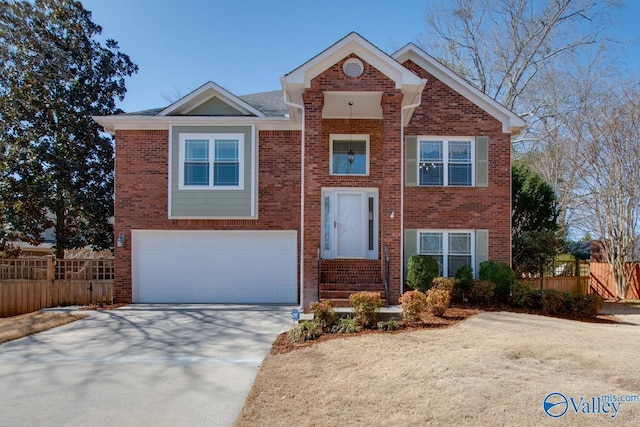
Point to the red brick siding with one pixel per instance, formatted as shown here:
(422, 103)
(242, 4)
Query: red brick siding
(142, 174)
(445, 112)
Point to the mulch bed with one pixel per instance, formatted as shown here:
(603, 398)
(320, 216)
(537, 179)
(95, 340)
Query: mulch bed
(454, 314)
(102, 306)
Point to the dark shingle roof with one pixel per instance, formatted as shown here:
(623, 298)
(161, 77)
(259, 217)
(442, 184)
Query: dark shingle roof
(270, 103)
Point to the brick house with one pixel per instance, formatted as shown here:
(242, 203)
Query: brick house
(314, 191)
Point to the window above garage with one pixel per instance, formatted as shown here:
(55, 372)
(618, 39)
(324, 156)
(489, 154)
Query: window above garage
(211, 161)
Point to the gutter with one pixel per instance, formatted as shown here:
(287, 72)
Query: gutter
(302, 143)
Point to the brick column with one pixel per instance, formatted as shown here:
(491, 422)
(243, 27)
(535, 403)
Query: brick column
(390, 200)
(314, 155)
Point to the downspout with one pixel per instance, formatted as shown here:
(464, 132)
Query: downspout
(301, 107)
(402, 179)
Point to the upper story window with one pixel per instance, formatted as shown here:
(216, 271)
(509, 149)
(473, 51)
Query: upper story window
(349, 155)
(211, 161)
(446, 161)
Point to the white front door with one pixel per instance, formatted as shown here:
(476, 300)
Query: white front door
(350, 228)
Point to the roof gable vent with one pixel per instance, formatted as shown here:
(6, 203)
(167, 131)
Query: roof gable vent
(353, 67)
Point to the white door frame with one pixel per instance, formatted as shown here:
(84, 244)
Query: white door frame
(329, 229)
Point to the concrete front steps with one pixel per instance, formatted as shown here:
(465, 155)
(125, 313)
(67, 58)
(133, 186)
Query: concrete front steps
(342, 277)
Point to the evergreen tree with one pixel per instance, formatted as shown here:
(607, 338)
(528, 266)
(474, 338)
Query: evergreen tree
(56, 165)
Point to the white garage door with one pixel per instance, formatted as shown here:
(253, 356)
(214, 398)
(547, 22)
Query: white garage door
(214, 266)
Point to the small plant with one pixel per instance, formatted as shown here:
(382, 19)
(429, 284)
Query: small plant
(444, 283)
(499, 273)
(389, 325)
(482, 291)
(324, 313)
(345, 325)
(586, 306)
(365, 307)
(422, 269)
(304, 331)
(555, 302)
(464, 276)
(413, 303)
(438, 301)
(523, 295)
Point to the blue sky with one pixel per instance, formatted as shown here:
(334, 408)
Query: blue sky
(246, 45)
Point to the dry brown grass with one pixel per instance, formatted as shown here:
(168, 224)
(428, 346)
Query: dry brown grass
(492, 369)
(15, 327)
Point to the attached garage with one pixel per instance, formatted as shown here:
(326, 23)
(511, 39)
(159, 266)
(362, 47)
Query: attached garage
(214, 266)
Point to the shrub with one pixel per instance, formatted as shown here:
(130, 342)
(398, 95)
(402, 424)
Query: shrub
(324, 313)
(413, 303)
(482, 291)
(444, 283)
(586, 306)
(523, 295)
(421, 271)
(438, 301)
(365, 307)
(304, 331)
(555, 302)
(464, 276)
(345, 325)
(389, 325)
(499, 273)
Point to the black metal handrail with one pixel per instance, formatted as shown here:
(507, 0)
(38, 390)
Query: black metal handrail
(319, 272)
(386, 272)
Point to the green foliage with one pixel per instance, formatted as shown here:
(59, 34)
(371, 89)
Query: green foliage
(413, 303)
(389, 325)
(324, 313)
(305, 331)
(346, 325)
(482, 291)
(444, 283)
(438, 301)
(464, 276)
(555, 302)
(422, 269)
(523, 295)
(56, 164)
(498, 273)
(365, 307)
(535, 235)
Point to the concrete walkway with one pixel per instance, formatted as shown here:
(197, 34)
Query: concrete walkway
(155, 365)
(628, 314)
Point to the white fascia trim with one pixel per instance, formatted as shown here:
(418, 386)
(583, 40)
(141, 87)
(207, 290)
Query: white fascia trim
(254, 172)
(170, 171)
(247, 218)
(215, 90)
(119, 122)
(511, 122)
(352, 43)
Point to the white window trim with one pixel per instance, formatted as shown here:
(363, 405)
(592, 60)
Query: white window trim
(354, 137)
(445, 158)
(211, 138)
(445, 244)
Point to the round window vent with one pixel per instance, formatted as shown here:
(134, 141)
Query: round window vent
(353, 67)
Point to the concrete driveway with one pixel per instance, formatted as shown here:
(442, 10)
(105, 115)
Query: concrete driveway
(155, 365)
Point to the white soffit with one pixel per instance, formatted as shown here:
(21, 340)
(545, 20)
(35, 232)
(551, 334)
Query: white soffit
(366, 105)
(511, 122)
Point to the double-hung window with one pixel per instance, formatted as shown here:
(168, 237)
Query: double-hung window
(452, 249)
(211, 161)
(446, 161)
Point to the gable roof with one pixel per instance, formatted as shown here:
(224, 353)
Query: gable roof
(511, 122)
(205, 93)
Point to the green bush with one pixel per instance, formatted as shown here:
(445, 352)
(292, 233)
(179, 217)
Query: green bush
(422, 269)
(523, 295)
(482, 291)
(555, 302)
(324, 313)
(305, 331)
(345, 325)
(499, 273)
(365, 307)
(586, 306)
(464, 276)
(389, 325)
(438, 301)
(444, 283)
(413, 303)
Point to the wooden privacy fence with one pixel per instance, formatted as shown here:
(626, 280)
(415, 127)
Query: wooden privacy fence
(603, 284)
(29, 284)
(564, 276)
